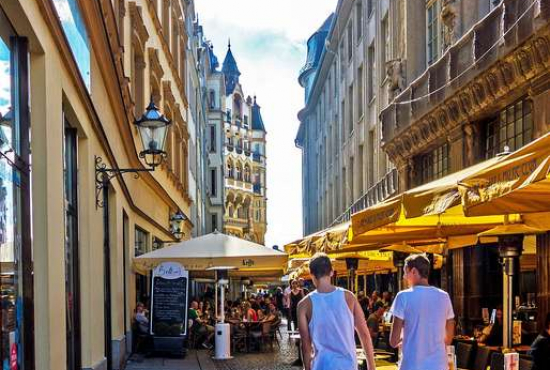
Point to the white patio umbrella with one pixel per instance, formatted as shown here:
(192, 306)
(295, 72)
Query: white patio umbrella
(217, 249)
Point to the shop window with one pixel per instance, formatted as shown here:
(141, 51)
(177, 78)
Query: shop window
(513, 127)
(75, 31)
(15, 235)
(435, 164)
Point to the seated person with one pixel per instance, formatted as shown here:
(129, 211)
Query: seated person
(249, 314)
(540, 349)
(374, 320)
(492, 334)
(199, 327)
(141, 318)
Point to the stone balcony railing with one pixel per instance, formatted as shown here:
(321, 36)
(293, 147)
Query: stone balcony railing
(236, 222)
(239, 184)
(495, 56)
(383, 189)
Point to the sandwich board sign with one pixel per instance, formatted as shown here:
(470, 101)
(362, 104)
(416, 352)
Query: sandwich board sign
(169, 300)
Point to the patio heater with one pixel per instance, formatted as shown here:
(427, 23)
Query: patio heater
(222, 329)
(510, 247)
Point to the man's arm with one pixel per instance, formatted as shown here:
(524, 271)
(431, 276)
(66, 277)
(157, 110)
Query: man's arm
(361, 328)
(304, 313)
(395, 334)
(449, 332)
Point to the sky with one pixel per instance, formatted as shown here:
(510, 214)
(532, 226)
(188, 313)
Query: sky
(268, 41)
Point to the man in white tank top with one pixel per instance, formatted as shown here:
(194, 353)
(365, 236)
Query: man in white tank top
(423, 320)
(327, 320)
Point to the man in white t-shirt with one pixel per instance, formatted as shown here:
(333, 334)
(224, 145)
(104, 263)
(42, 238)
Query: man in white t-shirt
(423, 323)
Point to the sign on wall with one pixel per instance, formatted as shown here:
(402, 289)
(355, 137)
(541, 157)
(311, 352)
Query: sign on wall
(169, 300)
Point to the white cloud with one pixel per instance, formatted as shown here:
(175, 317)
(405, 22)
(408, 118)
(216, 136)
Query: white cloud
(268, 40)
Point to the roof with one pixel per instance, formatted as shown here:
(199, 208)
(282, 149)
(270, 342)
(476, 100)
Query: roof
(230, 70)
(257, 121)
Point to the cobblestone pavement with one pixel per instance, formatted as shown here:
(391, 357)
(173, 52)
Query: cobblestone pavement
(276, 359)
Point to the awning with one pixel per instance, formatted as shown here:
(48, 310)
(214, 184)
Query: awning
(217, 249)
(325, 240)
(520, 183)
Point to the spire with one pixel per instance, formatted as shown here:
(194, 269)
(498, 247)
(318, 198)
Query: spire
(230, 70)
(257, 121)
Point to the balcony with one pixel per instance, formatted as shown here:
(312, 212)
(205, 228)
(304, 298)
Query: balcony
(384, 189)
(487, 65)
(239, 149)
(247, 152)
(241, 223)
(229, 147)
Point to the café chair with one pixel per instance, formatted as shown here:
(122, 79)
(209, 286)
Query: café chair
(497, 361)
(526, 362)
(464, 355)
(482, 358)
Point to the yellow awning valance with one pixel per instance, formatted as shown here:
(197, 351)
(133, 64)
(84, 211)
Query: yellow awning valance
(519, 183)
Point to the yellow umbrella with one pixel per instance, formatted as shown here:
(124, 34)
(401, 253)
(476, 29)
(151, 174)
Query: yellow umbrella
(520, 183)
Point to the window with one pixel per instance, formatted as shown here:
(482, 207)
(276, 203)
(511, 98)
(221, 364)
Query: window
(247, 173)
(245, 120)
(141, 246)
(212, 139)
(433, 30)
(72, 291)
(213, 182)
(157, 243)
(371, 151)
(229, 169)
(214, 220)
(238, 170)
(16, 266)
(360, 92)
(212, 99)
(435, 164)
(359, 19)
(350, 109)
(360, 169)
(351, 187)
(513, 128)
(166, 20)
(369, 8)
(385, 53)
(350, 41)
(74, 28)
(370, 71)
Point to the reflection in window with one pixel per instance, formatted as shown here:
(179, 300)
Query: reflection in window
(513, 128)
(435, 164)
(6, 109)
(73, 25)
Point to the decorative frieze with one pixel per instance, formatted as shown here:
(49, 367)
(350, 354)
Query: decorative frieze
(486, 92)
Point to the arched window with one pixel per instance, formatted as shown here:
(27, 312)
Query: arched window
(237, 103)
(247, 173)
(230, 211)
(229, 169)
(239, 170)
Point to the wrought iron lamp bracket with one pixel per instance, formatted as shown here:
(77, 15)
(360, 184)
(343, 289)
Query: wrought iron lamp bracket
(103, 176)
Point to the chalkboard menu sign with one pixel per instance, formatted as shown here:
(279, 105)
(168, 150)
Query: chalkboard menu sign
(169, 300)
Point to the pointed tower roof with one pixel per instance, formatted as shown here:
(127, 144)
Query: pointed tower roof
(257, 121)
(230, 70)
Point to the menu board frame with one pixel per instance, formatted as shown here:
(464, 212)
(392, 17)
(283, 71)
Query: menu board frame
(170, 271)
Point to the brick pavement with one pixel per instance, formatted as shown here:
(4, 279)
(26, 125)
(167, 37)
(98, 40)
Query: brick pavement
(278, 359)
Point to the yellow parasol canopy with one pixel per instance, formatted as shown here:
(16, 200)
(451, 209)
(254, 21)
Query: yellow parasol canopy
(216, 249)
(519, 183)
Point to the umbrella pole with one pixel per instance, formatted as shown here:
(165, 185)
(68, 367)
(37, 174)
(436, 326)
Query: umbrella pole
(216, 293)
(510, 248)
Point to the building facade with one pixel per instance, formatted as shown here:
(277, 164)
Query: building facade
(68, 288)
(478, 86)
(244, 158)
(348, 81)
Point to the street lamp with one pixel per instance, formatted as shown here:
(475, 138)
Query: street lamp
(176, 224)
(153, 128)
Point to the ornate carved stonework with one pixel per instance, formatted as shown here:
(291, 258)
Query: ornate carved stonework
(449, 13)
(477, 98)
(139, 33)
(469, 139)
(395, 71)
